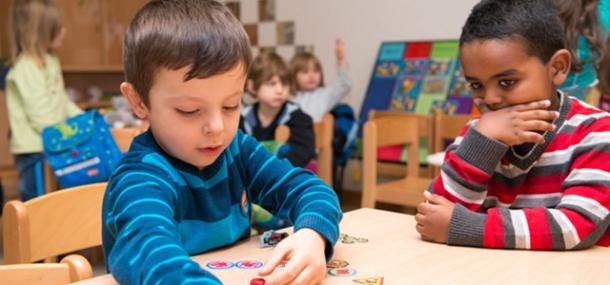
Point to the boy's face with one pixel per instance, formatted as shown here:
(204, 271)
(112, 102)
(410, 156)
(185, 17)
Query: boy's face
(195, 120)
(309, 78)
(273, 93)
(502, 73)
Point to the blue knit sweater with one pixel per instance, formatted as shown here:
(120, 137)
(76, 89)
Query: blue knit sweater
(158, 210)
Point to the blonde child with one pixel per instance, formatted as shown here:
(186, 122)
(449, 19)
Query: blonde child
(34, 87)
(186, 185)
(314, 98)
(269, 82)
(532, 172)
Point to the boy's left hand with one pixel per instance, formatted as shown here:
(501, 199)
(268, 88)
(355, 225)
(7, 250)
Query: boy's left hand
(433, 218)
(306, 264)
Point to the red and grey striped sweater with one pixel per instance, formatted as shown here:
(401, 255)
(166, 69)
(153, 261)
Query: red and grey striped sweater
(555, 197)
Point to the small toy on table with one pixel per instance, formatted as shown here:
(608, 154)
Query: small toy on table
(270, 238)
(257, 281)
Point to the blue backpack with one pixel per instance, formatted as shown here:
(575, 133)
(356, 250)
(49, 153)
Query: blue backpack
(80, 150)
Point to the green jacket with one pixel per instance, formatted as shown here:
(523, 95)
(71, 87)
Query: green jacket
(35, 98)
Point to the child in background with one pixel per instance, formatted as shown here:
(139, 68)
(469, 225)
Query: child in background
(532, 172)
(311, 95)
(269, 82)
(187, 184)
(586, 24)
(34, 87)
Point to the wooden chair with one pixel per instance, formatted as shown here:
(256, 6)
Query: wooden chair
(57, 223)
(71, 269)
(425, 128)
(447, 128)
(385, 131)
(124, 136)
(324, 131)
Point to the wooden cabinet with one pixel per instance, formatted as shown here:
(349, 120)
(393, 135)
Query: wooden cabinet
(4, 44)
(6, 158)
(91, 54)
(95, 30)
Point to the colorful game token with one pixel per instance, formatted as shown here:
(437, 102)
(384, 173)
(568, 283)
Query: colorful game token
(370, 280)
(249, 264)
(257, 281)
(270, 238)
(337, 263)
(345, 238)
(361, 240)
(219, 264)
(342, 272)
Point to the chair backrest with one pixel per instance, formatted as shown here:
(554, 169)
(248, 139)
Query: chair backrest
(447, 127)
(324, 131)
(425, 129)
(71, 269)
(52, 224)
(124, 136)
(391, 130)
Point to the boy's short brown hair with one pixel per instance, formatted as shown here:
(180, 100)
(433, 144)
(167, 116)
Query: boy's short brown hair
(265, 66)
(300, 62)
(172, 34)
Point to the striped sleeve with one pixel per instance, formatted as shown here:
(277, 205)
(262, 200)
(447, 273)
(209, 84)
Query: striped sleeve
(579, 221)
(139, 210)
(465, 173)
(291, 192)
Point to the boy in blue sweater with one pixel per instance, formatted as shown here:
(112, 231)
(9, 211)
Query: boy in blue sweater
(186, 186)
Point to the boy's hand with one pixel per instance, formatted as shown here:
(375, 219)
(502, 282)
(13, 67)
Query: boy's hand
(433, 218)
(306, 264)
(340, 51)
(518, 124)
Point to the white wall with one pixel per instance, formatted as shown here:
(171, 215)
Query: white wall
(364, 24)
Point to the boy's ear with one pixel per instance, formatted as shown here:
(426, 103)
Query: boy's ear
(559, 65)
(134, 99)
(250, 87)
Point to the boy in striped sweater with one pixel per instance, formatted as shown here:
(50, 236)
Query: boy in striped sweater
(186, 186)
(533, 171)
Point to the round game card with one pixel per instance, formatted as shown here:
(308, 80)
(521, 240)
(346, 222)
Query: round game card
(249, 264)
(342, 272)
(219, 264)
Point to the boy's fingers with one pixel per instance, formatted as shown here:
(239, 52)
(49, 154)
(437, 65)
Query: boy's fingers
(422, 208)
(481, 105)
(540, 114)
(278, 254)
(286, 276)
(542, 104)
(432, 198)
(306, 277)
(531, 137)
(537, 125)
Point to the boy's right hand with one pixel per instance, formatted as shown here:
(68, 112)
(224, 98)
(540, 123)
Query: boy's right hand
(518, 124)
(306, 263)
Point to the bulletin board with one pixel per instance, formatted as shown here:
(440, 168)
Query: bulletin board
(421, 77)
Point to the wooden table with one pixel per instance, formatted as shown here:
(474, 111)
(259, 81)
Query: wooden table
(396, 252)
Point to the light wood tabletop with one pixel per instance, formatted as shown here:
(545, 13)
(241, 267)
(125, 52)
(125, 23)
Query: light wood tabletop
(395, 252)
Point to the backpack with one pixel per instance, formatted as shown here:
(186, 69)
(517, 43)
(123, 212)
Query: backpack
(346, 129)
(80, 149)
